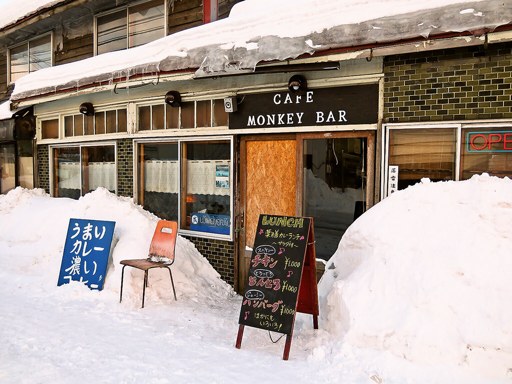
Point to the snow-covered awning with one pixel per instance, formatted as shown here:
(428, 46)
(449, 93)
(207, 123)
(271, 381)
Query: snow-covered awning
(259, 31)
(5, 110)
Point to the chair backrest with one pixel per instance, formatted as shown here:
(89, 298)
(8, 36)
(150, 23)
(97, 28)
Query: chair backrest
(164, 240)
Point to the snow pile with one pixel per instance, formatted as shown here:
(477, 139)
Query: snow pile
(35, 226)
(417, 292)
(426, 275)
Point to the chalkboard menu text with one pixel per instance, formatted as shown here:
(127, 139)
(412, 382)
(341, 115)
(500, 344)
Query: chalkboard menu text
(283, 251)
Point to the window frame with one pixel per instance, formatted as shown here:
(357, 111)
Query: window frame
(212, 122)
(79, 146)
(126, 9)
(459, 128)
(181, 192)
(27, 43)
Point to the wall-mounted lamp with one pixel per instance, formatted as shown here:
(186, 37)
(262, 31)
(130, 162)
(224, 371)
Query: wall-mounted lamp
(297, 84)
(87, 109)
(173, 98)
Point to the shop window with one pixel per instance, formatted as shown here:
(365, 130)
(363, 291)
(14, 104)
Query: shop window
(112, 121)
(191, 114)
(201, 201)
(30, 57)
(486, 150)
(206, 185)
(50, 129)
(158, 179)
(422, 153)
(130, 27)
(78, 170)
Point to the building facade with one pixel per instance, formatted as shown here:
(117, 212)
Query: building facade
(326, 135)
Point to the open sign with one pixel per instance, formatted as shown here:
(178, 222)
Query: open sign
(495, 141)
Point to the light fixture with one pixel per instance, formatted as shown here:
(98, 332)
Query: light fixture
(297, 84)
(87, 109)
(173, 98)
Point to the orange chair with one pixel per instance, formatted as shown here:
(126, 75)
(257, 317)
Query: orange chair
(161, 255)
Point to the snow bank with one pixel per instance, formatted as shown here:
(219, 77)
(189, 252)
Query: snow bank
(35, 226)
(426, 274)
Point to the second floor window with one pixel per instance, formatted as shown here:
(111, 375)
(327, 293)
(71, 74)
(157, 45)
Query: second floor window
(130, 27)
(29, 57)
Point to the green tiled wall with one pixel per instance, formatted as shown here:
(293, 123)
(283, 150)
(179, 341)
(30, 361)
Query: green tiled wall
(458, 84)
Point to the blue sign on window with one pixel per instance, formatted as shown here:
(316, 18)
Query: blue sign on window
(86, 252)
(205, 222)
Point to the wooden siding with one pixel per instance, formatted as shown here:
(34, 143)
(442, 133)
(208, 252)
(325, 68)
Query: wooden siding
(75, 49)
(184, 15)
(3, 76)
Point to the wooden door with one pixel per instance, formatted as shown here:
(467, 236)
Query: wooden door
(268, 176)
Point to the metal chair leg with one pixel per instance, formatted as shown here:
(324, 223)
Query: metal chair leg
(122, 279)
(144, 287)
(172, 282)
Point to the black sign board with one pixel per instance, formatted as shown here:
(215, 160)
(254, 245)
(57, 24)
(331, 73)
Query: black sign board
(356, 104)
(283, 247)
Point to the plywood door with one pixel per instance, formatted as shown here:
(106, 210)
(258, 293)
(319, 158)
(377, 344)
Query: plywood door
(269, 185)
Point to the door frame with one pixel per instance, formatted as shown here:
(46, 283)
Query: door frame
(240, 245)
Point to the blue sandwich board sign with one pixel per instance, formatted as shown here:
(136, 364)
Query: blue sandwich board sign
(86, 252)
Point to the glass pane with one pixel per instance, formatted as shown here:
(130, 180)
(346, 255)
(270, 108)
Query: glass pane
(50, 129)
(68, 126)
(144, 118)
(66, 172)
(99, 168)
(100, 122)
(89, 125)
(207, 182)
(187, 115)
(420, 153)
(7, 168)
(111, 121)
(334, 188)
(26, 163)
(79, 125)
(172, 117)
(40, 51)
(158, 172)
(486, 150)
(220, 116)
(158, 117)
(19, 62)
(111, 32)
(204, 113)
(121, 120)
(146, 23)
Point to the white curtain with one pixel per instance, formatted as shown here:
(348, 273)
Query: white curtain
(102, 175)
(69, 175)
(203, 176)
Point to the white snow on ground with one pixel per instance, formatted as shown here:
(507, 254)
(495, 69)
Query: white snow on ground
(417, 292)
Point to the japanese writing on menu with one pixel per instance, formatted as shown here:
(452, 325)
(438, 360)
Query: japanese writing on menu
(276, 265)
(86, 252)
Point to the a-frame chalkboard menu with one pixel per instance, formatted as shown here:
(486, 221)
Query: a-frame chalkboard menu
(282, 277)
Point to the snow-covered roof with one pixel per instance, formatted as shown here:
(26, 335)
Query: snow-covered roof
(265, 30)
(14, 10)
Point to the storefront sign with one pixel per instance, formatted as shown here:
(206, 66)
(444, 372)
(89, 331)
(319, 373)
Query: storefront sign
(86, 252)
(325, 106)
(495, 141)
(205, 222)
